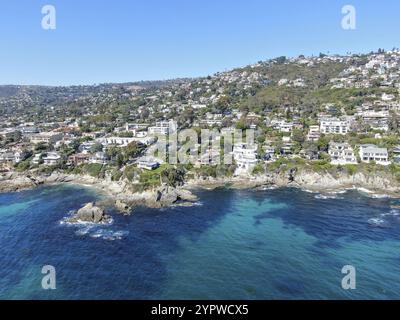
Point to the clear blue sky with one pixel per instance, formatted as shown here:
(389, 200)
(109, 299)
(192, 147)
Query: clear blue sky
(100, 41)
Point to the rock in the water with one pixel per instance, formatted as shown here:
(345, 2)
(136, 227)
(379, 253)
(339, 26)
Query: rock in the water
(166, 196)
(123, 207)
(186, 195)
(90, 213)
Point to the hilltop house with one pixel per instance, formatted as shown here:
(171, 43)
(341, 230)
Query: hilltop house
(6, 157)
(396, 154)
(36, 159)
(99, 158)
(269, 153)
(51, 158)
(163, 128)
(118, 141)
(342, 153)
(148, 163)
(314, 133)
(334, 126)
(287, 146)
(370, 152)
(78, 159)
(46, 137)
(245, 156)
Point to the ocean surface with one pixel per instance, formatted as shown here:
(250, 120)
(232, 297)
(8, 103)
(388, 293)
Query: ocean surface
(271, 244)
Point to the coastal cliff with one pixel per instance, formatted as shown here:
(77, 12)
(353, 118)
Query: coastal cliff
(125, 198)
(121, 192)
(382, 183)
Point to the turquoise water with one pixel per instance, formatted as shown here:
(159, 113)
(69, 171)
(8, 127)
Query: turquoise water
(272, 244)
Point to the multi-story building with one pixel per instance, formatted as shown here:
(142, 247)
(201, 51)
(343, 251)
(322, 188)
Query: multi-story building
(314, 133)
(376, 120)
(46, 137)
(51, 158)
(334, 126)
(342, 153)
(370, 152)
(245, 156)
(163, 128)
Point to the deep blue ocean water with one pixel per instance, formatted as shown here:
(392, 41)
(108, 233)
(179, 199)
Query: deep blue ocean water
(272, 244)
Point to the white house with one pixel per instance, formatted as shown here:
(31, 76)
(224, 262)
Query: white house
(245, 156)
(99, 158)
(7, 157)
(370, 152)
(269, 152)
(20, 155)
(46, 137)
(334, 126)
(314, 133)
(396, 154)
(163, 128)
(342, 153)
(378, 120)
(119, 141)
(286, 127)
(36, 158)
(51, 158)
(148, 163)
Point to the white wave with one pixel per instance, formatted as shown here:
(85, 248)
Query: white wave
(84, 231)
(376, 221)
(269, 188)
(392, 213)
(364, 190)
(327, 196)
(109, 234)
(310, 191)
(339, 191)
(379, 196)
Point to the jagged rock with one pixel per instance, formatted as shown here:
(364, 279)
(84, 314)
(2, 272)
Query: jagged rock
(165, 196)
(13, 182)
(123, 207)
(186, 195)
(90, 213)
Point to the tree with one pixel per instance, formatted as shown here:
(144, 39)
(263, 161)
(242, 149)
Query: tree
(323, 143)
(97, 147)
(298, 136)
(133, 149)
(281, 60)
(173, 177)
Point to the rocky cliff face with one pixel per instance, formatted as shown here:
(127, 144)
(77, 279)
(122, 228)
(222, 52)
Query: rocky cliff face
(10, 182)
(306, 179)
(125, 200)
(385, 183)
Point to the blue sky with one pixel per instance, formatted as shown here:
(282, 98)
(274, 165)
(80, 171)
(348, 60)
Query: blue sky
(99, 41)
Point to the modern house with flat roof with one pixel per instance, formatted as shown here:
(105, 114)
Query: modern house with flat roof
(51, 158)
(334, 126)
(46, 137)
(148, 163)
(342, 153)
(370, 152)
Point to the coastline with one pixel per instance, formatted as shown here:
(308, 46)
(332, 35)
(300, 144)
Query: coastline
(125, 200)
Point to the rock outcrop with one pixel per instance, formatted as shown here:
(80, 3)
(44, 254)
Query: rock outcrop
(90, 213)
(123, 207)
(166, 196)
(10, 182)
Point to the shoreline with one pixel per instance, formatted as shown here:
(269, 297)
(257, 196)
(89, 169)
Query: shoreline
(125, 200)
